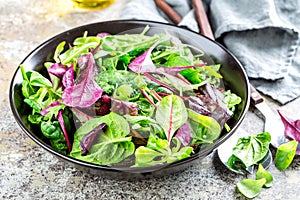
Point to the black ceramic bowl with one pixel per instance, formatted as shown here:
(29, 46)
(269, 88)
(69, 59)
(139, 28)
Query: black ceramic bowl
(233, 74)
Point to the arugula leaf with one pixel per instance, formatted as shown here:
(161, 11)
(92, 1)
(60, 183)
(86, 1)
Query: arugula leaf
(82, 45)
(285, 155)
(171, 114)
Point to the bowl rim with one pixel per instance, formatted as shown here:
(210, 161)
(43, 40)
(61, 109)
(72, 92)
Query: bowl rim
(48, 148)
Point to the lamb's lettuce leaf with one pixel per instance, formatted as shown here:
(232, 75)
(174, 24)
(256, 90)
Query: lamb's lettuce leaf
(158, 151)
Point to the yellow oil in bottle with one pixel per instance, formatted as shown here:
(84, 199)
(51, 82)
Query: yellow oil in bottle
(93, 4)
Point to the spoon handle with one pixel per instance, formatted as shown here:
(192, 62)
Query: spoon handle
(256, 98)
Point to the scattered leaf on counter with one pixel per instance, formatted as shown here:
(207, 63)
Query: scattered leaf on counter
(285, 155)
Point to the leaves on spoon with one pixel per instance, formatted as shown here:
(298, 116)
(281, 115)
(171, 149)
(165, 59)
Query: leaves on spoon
(285, 155)
(85, 92)
(251, 149)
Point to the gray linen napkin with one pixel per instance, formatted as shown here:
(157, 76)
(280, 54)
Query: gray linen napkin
(262, 34)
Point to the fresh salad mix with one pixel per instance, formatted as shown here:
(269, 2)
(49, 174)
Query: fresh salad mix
(131, 98)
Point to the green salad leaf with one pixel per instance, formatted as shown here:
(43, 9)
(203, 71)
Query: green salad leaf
(285, 155)
(251, 149)
(112, 146)
(158, 151)
(251, 188)
(263, 173)
(171, 114)
(205, 129)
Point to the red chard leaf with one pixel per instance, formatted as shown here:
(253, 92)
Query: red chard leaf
(143, 63)
(63, 127)
(85, 92)
(184, 134)
(57, 69)
(292, 128)
(68, 78)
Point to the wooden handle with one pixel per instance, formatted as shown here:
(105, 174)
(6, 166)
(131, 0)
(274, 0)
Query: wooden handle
(201, 17)
(255, 96)
(168, 10)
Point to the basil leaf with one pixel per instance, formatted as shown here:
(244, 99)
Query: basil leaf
(251, 188)
(285, 155)
(263, 173)
(171, 114)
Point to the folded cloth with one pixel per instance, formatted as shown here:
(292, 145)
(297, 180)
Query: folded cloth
(262, 34)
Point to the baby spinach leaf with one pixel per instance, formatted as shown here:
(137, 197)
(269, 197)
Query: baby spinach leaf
(251, 149)
(171, 114)
(53, 131)
(263, 173)
(251, 188)
(205, 129)
(112, 146)
(285, 155)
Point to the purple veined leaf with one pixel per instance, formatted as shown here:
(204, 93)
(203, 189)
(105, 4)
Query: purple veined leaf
(103, 105)
(159, 82)
(206, 106)
(292, 128)
(87, 141)
(174, 70)
(57, 69)
(63, 127)
(184, 134)
(124, 107)
(171, 114)
(147, 97)
(85, 92)
(103, 34)
(68, 77)
(143, 63)
(45, 110)
(81, 115)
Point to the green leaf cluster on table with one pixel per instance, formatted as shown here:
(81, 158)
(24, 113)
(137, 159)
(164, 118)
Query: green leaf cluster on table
(250, 151)
(250, 188)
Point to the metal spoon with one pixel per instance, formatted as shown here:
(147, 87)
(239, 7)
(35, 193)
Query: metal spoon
(225, 152)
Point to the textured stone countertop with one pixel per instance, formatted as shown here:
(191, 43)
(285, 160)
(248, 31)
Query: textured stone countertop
(29, 172)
